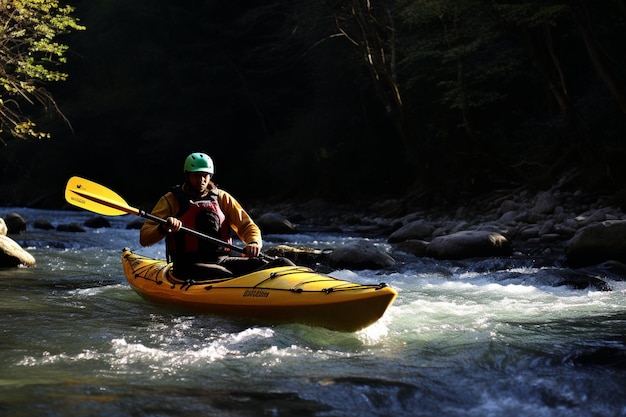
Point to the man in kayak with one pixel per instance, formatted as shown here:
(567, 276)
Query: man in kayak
(201, 206)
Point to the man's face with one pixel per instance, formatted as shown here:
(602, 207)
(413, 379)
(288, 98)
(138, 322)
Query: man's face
(199, 181)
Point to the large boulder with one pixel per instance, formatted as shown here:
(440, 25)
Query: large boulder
(358, 255)
(70, 227)
(545, 203)
(135, 224)
(416, 230)
(415, 247)
(43, 224)
(3, 227)
(12, 254)
(596, 243)
(97, 222)
(300, 255)
(469, 244)
(274, 223)
(15, 224)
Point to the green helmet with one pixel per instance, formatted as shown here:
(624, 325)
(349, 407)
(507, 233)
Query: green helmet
(199, 162)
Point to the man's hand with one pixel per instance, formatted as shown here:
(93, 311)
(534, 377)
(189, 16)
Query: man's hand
(173, 225)
(251, 250)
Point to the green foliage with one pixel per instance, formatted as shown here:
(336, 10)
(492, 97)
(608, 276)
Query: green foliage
(532, 13)
(464, 43)
(30, 56)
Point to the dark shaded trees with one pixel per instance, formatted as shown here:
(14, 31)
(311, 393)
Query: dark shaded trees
(479, 69)
(608, 68)
(344, 99)
(541, 28)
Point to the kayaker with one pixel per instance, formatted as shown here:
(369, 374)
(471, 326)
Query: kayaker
(202, 206)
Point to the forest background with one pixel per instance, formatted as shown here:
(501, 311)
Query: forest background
(347, 100)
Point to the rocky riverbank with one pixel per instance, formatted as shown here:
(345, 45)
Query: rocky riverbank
(552, 228)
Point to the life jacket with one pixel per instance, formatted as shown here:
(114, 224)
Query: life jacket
(203, 215)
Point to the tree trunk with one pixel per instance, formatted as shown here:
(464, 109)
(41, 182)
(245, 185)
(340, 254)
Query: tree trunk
(372, 31)
(541, 51)
(621, 4)
(601, 61)
(544, 58)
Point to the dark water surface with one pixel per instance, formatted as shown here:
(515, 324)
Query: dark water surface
(77, 341)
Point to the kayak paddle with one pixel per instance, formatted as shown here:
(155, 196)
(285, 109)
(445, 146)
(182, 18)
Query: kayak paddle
(94, 197)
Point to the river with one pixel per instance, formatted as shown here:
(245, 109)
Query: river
(479, 338)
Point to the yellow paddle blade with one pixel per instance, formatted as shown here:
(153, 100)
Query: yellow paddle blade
(91, 196)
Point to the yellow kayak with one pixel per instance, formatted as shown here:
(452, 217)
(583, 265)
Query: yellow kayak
(285, 294)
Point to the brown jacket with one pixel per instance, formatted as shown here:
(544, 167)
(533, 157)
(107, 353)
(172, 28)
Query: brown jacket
(241, 223)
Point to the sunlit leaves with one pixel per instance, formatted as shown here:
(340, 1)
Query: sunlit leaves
(30, 56)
